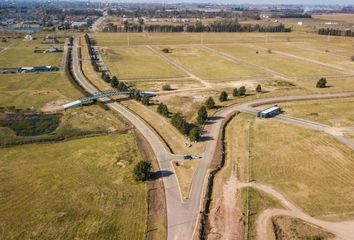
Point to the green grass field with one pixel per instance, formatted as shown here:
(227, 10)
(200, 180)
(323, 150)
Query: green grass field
(36, 90)
(72, 190)
(21, 54)
(209, 66)
(336, 112)
(138, 62)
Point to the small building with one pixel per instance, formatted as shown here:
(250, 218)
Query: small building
(78, 24)
(299, 23)
(269, 112)
(28, 37)
(37, 69)
(52, 50)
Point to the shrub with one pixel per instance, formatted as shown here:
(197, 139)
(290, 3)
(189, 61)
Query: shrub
(166, 50)
(259, 88)
(142, 171)
(162, 109)
(202, 115)
(352, 58)
(194, 134)
(223, 96)
(166, 87)
(322, 83)
(242, 91)
(235, 92)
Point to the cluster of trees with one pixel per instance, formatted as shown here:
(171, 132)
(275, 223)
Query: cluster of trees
(322, 83)
(93, 56)
(227, 25)
(138, 96)
(163, 109)
(294, 15)
(336, 32)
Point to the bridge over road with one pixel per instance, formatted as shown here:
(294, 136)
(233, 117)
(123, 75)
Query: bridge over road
(103, 96)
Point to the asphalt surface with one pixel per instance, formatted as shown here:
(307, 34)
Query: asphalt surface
(182, 215)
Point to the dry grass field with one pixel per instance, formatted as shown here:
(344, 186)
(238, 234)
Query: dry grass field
(185, 172)
(10, 58)
(137, 62)
(311, 168)
(156, 85)
(334, 85)
(36, 90)
(341, 17)
(336, 112)
(72, 190)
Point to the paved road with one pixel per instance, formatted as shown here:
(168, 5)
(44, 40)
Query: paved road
(182, 215)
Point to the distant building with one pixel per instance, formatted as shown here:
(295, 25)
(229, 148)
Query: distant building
(269, 112)
(28, 37)
(299, 23)
(52, 50)
(78, 24)
(37, 69)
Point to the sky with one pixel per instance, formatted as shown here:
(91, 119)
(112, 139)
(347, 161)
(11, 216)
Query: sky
(307, 2)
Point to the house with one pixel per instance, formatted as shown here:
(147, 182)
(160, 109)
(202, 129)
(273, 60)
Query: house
(28, 37)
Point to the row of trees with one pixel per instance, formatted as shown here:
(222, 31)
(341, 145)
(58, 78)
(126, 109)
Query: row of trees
(335, 32)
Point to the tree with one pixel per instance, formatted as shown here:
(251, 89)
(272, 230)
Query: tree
(162, 109)
(145, 100)
(202, 115)
(242, 91)
(142, 171)
(210, 103)
(114, 82)
(235, 92)
(322, 83)
(194, 134)
(180, 123)
(106, 77)
(122, 86)
(259, 88)
(223, 96)
(166, 50)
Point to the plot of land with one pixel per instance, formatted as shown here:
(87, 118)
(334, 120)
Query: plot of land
(209, 66)
(72, 190)
(337, 112)
(21, 54)
(157, 86)
(311, 168)
(137, 62)
(287, 66)
(36, 90)
(184, 172)
(334, 85)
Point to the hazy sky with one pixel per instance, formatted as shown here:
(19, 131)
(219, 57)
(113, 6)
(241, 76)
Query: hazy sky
(311, 2)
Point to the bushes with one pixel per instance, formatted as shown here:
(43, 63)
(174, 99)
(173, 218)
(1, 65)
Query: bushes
(352, 58)
(322, 83)
(162, 109)
(202, 115)
(210, 103)
(142, 171)
(223, 96)
(259, 88)
(180, 123)
(166, 87)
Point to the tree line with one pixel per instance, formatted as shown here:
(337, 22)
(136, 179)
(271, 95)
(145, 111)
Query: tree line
(336, 32)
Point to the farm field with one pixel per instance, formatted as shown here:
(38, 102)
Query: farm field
(209, 66)
(335, 112)
(137, 62)
(287, 66)
(36, 90)
(78, 193)
(10, 58)
(312, 169)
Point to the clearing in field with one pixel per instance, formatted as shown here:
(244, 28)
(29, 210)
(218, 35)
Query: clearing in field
(336, 112)
(311, 168)
(86, 191)
(137, 62)
(209, 66)
(25, 49)
(36, 90)
(284, 65)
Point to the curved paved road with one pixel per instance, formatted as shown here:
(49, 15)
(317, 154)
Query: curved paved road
(182, 215)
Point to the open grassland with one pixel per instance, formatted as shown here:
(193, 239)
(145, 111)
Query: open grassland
(36, 90)
(185, 172)
(21, 54)
(334, 85)
(137, 62)
(175, 140)
(312, 169)
(341, 17)
(72, 190)
(122, 39)
(156, 85)
(325, 56)
(78, 122)
(293, 228)
(336, 112)
(287, 66)
(207, 65)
